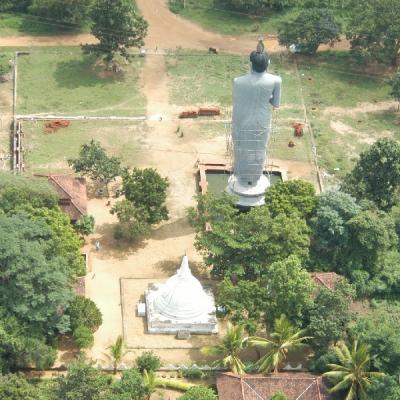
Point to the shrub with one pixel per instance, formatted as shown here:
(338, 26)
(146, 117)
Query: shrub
(199, 393)
(83, 337)
(84, 312)
(4, 65)
(192, 372)
(279, 396)
(148, 361)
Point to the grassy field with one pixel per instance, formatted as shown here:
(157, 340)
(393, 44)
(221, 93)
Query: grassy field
(205, 13)
(25, 24)
(348, 108)
(50, 152)
(228, 22)
(64, 81)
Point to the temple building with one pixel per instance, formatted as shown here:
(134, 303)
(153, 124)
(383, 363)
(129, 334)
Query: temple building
(181, 304)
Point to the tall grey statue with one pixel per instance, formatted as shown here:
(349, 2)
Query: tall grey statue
(254, 95)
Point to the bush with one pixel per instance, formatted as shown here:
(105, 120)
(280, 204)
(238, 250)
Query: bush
(199, 393)
(83, 337)
(192, 372)
(279, 396)
(148, 361)
(84, 312)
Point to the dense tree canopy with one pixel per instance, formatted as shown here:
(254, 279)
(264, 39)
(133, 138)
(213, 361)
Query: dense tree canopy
(255, 6)
(84, 312)
(35, 286)
(67, 11)
(117, 26)
(244, 244)
(311, 28)
(376, 175)
(16, 387)
(374, 31)
(291, 197)
(330, 316)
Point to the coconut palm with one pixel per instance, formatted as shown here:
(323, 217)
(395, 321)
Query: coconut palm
(228, 348)
(116, 353)
(285, 338)
(353, 371)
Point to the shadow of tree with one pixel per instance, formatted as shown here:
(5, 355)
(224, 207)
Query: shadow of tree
(83, 72)
(110, 247)
(176, 228)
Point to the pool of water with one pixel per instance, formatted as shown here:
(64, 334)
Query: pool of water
(218, 180)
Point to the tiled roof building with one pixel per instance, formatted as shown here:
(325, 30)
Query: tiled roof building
(296, 386)
(71, 193)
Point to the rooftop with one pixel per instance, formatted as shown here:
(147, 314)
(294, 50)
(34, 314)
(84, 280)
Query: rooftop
(296, 386)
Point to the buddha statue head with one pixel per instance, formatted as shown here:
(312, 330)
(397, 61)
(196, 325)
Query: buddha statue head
(259, 58)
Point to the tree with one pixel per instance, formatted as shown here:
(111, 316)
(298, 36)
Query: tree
(289, 290)
(94, 163)
(330, 232)
(376, 175)
(148, 361)
(73, 12)
(16, 387)
(83, 382)
(291, 197)
(37, 294)
(395, 85)
(117, 26)
(331, 315)
(352, 373)
(199, 393)
(229, 348)
(131, 386)
(116, 353)
(63, 240)
(244, 302)
(85, 225)
(84, 312)
(257, 7)
(14, 5)
(373, 30)
(311, 28)
(83, 337)
(147, 190)
(378, 330)
(18, 191)
(133, 223)
(242, 245)
(282, 340)
(385, 388)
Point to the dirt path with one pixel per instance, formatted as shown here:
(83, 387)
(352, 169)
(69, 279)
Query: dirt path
(166, 31)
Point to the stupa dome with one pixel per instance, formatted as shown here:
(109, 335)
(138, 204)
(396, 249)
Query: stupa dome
(182, 297)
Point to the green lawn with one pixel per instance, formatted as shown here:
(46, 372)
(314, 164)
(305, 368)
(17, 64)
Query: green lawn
(64, 81)
(25, 24)
(220, 19)
(205, 13)
(331, 85)
(50, 152)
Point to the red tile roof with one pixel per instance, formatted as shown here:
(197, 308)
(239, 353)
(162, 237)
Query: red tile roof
(327, 279)
(72, 194)
(296, 386)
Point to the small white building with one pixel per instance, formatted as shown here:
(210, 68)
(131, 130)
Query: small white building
(181, 304)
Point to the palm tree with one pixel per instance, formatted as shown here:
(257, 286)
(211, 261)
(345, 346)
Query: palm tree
(151, 382)
(228, 348)
(352, 373)
(117, 351)
(284, 339)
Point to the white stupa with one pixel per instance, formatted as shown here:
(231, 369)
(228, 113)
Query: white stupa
(180, 304)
